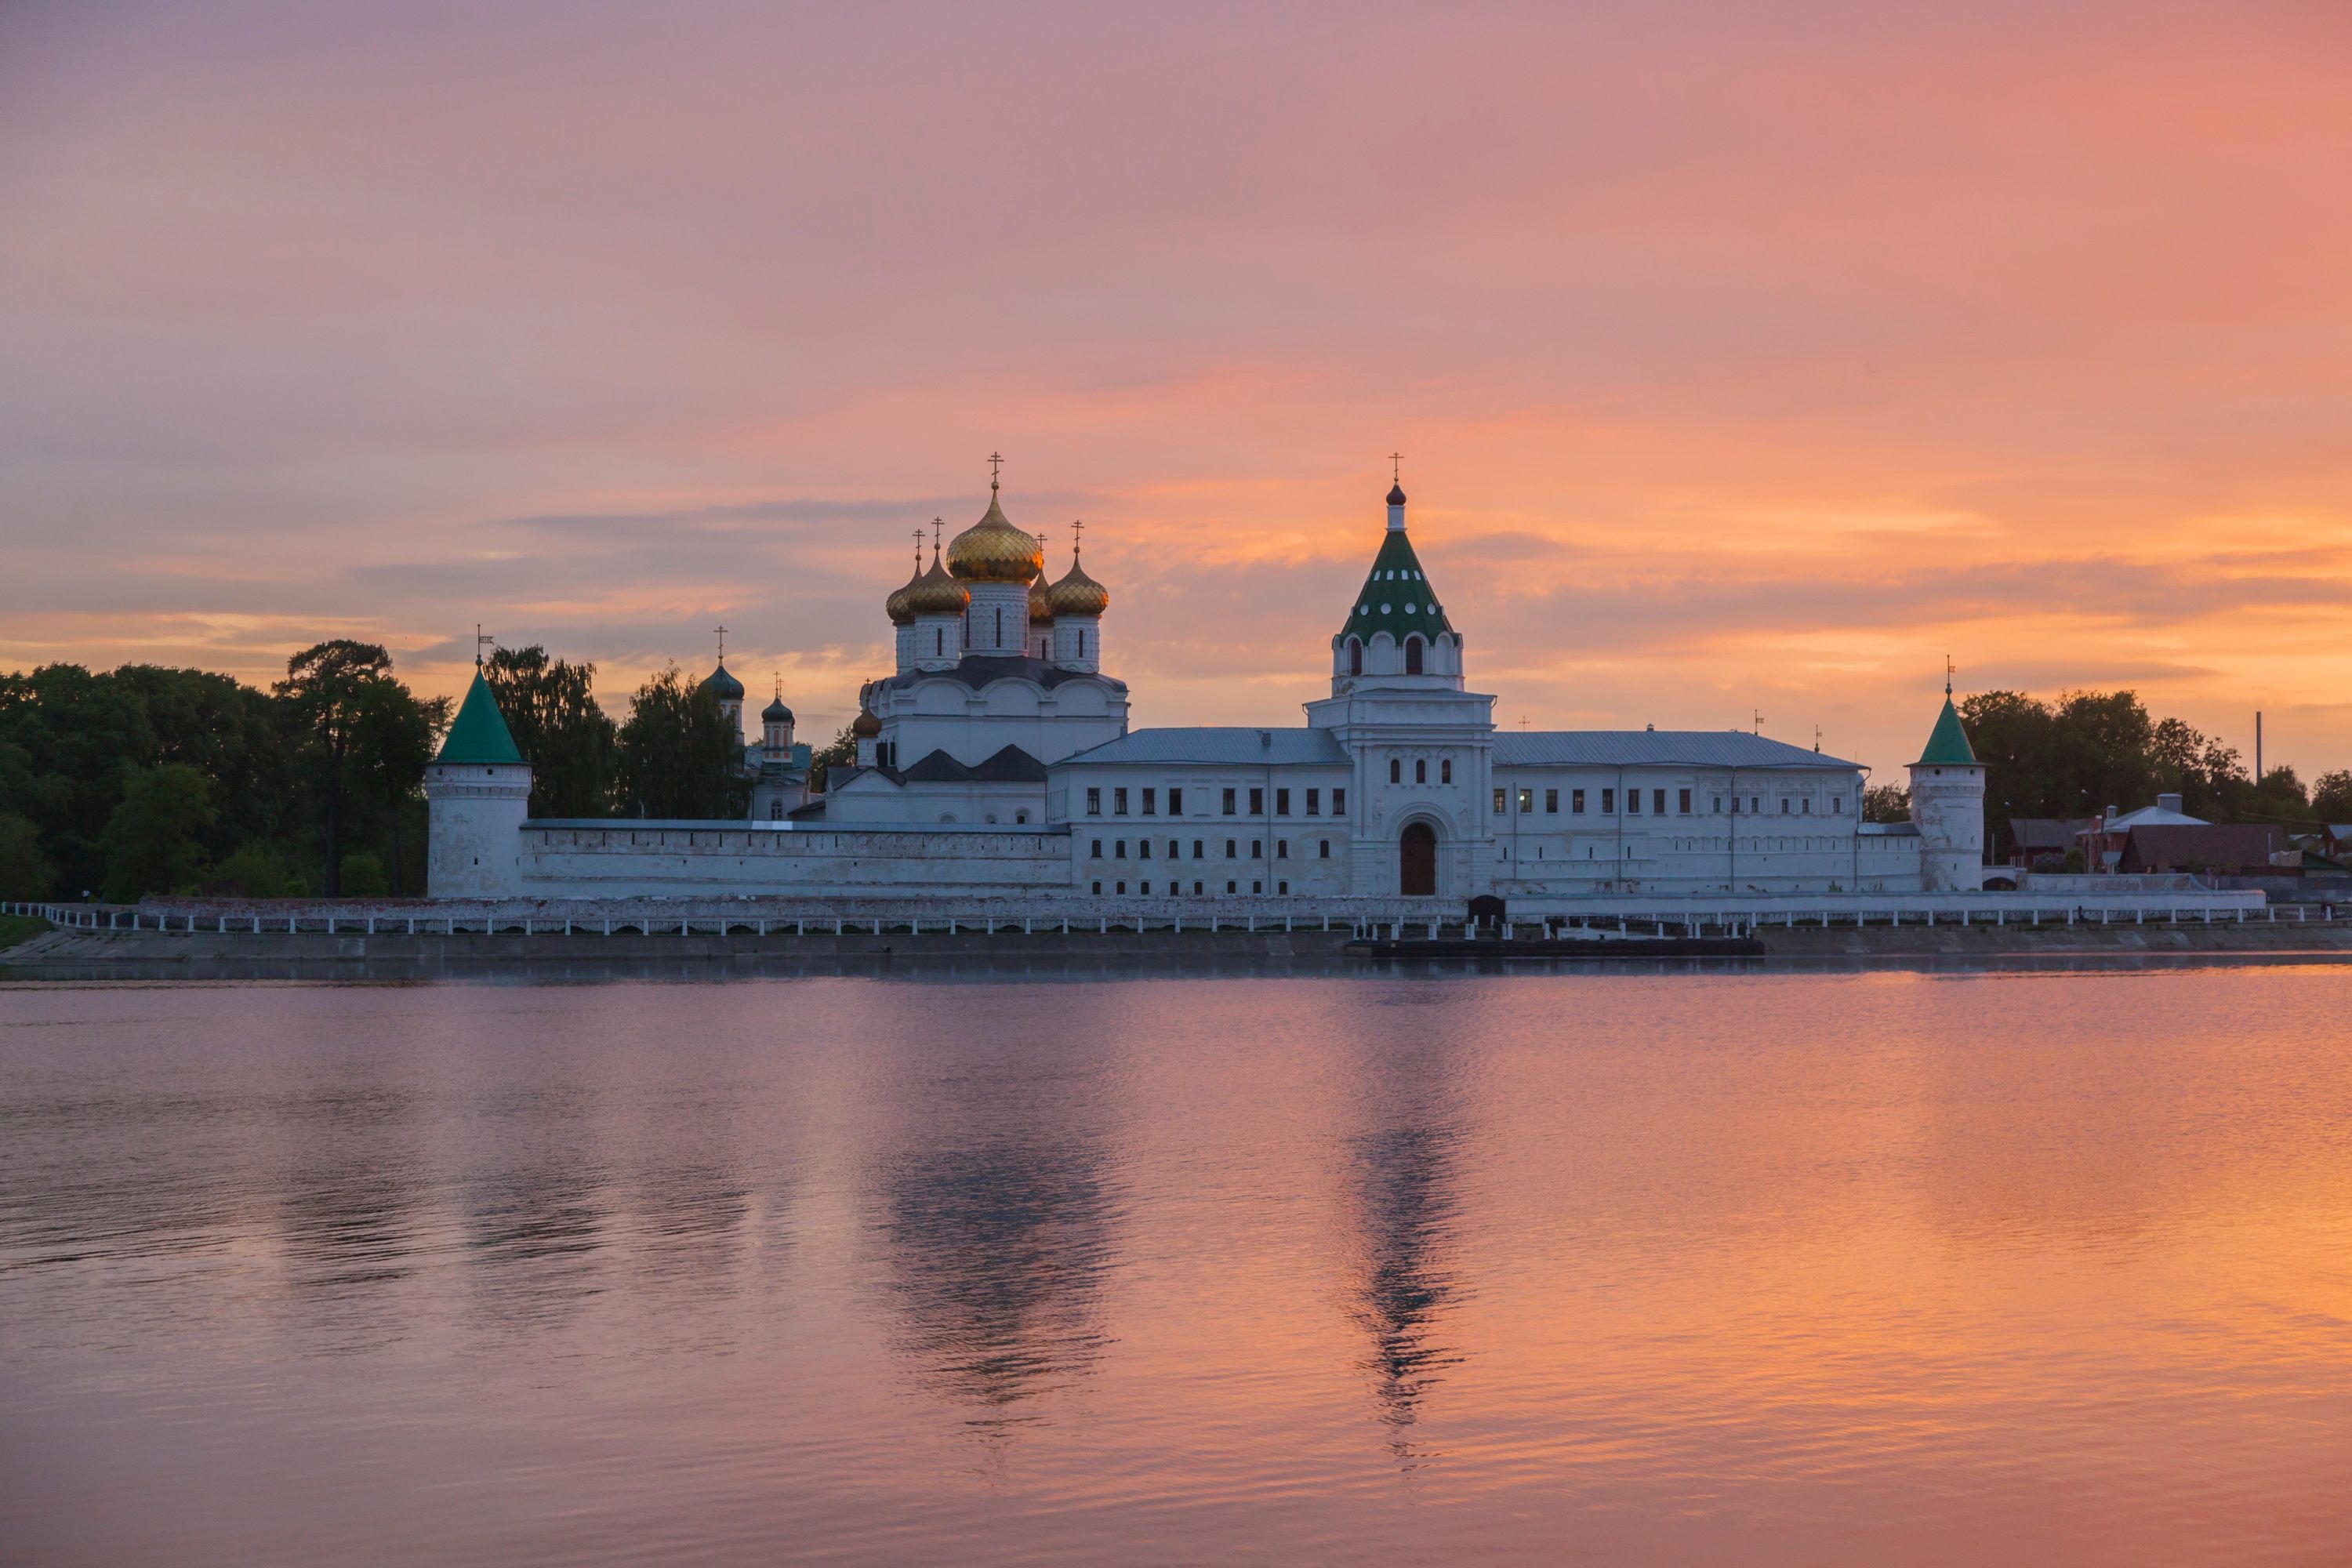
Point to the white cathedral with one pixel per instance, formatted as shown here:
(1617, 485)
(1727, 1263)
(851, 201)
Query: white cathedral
(995, 762)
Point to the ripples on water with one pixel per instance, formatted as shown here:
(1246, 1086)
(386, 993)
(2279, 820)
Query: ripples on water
(1828, 1267)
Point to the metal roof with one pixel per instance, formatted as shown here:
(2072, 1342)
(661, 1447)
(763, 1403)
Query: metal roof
(1220, 745)
(1655, 749)
(479, 733)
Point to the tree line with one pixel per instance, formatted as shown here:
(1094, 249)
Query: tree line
(2075, 756)
(144, 780)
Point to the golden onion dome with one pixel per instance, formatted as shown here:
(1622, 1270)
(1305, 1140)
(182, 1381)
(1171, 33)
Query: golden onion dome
(936, 594)
(993, 551)
(1078, 594)
(896, 606)
(866, 726)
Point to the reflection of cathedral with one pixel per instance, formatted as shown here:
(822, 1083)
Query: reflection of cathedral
(1405, 1215)
(996, 759)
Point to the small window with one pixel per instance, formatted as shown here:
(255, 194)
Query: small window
(1420, 770)
(1257, 848)
(1837, 806)
(1608, 802)
(1805, 806)
(1576, 802)
(1412, 655)
(1282, 803)
(1119, 850)
(1756, 803)
(1094, 802)
(1445, 770)
(1175, 803)
(1150, 803)
(1282, 849)
(1229, 885)
(1196, 890)
(1657, 803)
(1686, 803)
(1313, 801)
(1196, 849)
(1118, 803)
(1122, 886)
(1258, 887)
(1526, 801)
(1229, 803)
(1633, 803)
(1355, 657)
(1143, 849)
(1175, 850)
(1339, 803)
(1097, 851)
(1230, 842)
(1257, 801)
(1787, 806)
(1281, 887)
(1098, 888)
(1323, 849)
(1498, 802)
(1551, 803)
(1396, 770)
(1735, 806)
(1718, 807)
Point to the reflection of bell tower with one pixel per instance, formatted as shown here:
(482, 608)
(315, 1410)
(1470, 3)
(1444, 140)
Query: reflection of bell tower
(1406, 1211)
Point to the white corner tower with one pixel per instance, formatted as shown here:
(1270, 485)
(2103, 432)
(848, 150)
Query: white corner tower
(1947, 794)
(477, 798)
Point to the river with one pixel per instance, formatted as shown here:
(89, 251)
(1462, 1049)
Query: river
(1895, 1266)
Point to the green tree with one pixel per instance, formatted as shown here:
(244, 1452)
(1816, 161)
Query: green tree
(841, 753)
(363, 876)
(362, 743)
(550, 706)
(679, 757)
(1885, 803)
(2331, 796)
(151, 841)
(24, 872)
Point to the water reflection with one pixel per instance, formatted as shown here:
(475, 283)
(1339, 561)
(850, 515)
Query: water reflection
(536, 1212)
(1406, 1211)
(998, 1218)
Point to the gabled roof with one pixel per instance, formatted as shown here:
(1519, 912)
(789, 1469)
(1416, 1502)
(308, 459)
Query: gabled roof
(480, 733)
(1010, 766)
(1948, 744)
(2047, 832)
(1219, 745)
(2220, 847)
(2153, 816)
(1396, 598)
(1655, 748)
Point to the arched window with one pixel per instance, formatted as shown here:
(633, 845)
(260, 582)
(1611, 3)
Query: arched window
(939, 642)
(1355, 656)
(1412, 655)
(1082, 642)
(1000, 626)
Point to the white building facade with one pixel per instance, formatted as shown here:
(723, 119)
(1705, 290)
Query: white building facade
(996, 762)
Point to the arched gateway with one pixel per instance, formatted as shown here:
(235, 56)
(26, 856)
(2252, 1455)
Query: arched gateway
(1417, 861)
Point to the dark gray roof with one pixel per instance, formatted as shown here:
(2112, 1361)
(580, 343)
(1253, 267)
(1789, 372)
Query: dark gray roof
(1653, 748)
(977, 670)
(1010, 766)
(2047, 832)
(1220, 745)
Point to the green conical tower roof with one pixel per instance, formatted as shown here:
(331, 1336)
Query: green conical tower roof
(1396, 598)
(1948, 744)
(479, 734)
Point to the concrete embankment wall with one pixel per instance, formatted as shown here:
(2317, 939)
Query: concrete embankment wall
(2025, 941)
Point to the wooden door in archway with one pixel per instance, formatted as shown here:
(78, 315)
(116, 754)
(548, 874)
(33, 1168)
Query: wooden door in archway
(1417, 861)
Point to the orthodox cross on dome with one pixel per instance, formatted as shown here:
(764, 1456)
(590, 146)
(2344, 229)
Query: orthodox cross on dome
(1077, 535)
(1396, 467)
(937, 523)
(995, 461)
(919, 550)
(722, 643)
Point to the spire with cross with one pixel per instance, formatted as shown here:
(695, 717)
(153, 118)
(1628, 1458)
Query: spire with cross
(1396, 467)
(995, 461)
(481, 641)
(919, 552)
(722, 643)
(1950, 671)
(1077, 538)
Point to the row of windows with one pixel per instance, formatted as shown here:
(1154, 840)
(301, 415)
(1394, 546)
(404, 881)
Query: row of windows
(1413, 657)
(1801, 805)
(1420, 770)
(1149, 797)
(1232, 849)
(1176, 890)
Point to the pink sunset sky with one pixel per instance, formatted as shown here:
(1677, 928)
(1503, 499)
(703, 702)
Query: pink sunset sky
(1744, 357)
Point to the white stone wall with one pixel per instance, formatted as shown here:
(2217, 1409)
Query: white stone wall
(1948, 805)
(474, 814)
(668, 861)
